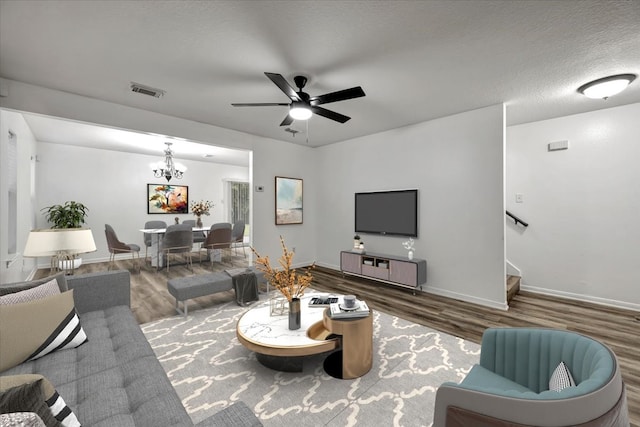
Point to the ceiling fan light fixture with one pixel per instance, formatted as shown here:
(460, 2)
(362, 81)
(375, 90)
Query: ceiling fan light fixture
(299, 111)
(607, 86)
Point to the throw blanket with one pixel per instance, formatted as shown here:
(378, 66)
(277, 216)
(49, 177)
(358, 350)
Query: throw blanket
(245, 285)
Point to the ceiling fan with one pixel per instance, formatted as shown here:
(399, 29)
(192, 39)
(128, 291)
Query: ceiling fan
(302, 105)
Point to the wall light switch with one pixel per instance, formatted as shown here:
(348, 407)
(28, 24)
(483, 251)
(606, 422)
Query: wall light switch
(519, 198)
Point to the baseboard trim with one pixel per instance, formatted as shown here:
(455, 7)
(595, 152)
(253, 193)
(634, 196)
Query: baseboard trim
(329, 266)
(442, 293)
(467, 298)
(579, 297)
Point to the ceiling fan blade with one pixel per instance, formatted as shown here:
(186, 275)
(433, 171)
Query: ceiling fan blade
(330, 114)
(341, 95)
(287, 121)
(283, 85)
(259, 104)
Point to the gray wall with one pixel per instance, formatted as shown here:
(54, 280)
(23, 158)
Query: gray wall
(457, 164)
(113, 185)
(270, 157)
(420, 157)
(26, 144)
(583, 206)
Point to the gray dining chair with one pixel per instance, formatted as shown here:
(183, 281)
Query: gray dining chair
(221, 225)
(178, 240)
(218, 238)
(150, 225)
(115, 247)
(237, 236)
(198, 236)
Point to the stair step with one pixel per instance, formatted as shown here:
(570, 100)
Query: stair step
(513, 287)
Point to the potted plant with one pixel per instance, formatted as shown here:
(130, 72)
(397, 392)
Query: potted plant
(69, 215)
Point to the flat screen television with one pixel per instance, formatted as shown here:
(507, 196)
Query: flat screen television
(392, 213)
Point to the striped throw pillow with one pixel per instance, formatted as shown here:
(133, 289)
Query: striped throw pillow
(46, 394)
(561, 378)
(33, 329)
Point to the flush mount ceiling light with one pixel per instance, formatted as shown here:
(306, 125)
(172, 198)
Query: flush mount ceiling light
(299, 111)
(168, 168)
(607, 86)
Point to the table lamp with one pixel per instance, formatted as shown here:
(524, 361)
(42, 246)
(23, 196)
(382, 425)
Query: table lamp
(61, 244)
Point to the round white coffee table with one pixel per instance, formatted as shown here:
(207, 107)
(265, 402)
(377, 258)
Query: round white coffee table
(278, 347)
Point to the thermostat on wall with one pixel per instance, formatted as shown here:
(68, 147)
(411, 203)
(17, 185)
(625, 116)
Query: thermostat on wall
(558, 145)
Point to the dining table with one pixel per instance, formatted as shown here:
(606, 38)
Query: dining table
(156, 242)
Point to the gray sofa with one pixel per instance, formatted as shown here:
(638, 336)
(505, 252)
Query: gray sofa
(115, 379)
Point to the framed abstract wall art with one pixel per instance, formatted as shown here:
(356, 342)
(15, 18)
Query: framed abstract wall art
(288, 200)
(167, 199)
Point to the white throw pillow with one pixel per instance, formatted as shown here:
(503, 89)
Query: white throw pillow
(561, 378)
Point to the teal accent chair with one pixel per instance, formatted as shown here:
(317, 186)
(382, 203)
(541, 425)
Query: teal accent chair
(510, 385)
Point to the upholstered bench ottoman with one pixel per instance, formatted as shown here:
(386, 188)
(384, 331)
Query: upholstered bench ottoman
(185, 288)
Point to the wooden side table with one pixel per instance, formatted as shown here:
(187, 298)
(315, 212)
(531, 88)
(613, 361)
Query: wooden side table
(356, 356)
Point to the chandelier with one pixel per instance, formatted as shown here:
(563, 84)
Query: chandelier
(168, 168)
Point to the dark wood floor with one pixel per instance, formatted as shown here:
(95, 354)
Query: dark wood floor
(150, 299)
(619, 329)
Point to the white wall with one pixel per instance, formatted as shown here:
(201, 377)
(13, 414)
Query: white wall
(270, 158)
(293, 161)
(26, 144)
(582, 204)
(113, 185)
(457, 164)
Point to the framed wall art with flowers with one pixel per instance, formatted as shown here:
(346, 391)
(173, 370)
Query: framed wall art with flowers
(167, 199)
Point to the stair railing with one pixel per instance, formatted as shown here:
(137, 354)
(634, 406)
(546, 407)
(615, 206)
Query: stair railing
(516, 219)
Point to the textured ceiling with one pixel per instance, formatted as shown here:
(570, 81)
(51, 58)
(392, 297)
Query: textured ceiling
(416, 60)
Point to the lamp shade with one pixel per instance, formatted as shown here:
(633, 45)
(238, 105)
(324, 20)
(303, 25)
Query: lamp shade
(53, 241)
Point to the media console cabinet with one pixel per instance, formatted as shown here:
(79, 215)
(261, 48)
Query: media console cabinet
(400, 271)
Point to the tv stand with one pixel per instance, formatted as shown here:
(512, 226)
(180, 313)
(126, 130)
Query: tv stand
(394, 270)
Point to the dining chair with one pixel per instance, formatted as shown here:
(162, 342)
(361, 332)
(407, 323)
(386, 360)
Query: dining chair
(117, 247)
(218, 238)
(150, 225)
(178, 239)
(221, 225)
(237, 236)
(198, 236)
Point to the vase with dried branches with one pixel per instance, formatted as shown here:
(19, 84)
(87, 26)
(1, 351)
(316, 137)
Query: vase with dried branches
(286, 280)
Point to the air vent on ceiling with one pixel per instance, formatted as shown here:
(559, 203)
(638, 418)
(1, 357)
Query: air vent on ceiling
(147, 90)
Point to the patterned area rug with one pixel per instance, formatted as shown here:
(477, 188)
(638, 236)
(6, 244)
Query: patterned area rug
(210, 370)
